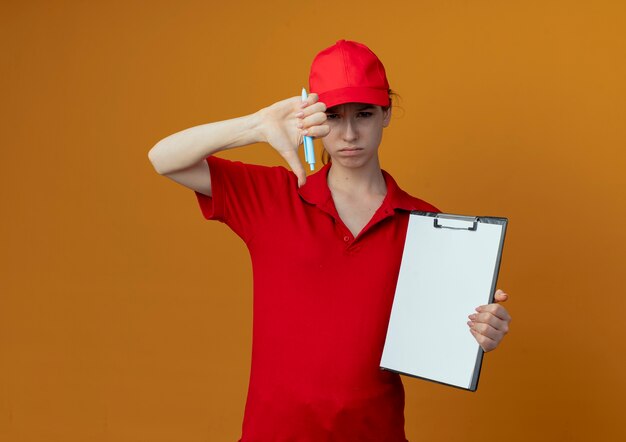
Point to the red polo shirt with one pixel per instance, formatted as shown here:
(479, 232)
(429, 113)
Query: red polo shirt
(322, 301)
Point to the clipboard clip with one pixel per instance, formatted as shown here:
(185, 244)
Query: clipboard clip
(439, 218)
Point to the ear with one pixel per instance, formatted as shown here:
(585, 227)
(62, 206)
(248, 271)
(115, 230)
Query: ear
(386, 117)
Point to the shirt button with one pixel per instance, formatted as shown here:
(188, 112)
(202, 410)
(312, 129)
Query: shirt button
(346, 238)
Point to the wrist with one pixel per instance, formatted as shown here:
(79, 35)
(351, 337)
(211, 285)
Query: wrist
(257, 123)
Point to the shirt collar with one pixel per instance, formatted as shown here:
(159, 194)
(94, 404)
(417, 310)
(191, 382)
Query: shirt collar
(315, 191)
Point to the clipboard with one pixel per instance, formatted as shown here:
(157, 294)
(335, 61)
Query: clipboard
(450, 266)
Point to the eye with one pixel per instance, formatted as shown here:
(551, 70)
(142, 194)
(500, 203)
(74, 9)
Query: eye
(331, 116)
(364, 114)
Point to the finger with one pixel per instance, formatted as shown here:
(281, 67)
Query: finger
(317, 131)
(495, 309)
(486, 330)
(292, 158)
(486, 343)
(488, 318)
(312, 98)
(313, 120)
(311, 109)
(304, 121)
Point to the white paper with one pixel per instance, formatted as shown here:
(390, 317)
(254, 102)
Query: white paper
(445, 274)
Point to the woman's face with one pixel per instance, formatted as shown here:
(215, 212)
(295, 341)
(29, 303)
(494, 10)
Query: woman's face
(356, 130)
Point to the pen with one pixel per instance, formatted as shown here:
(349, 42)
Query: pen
(309, 151)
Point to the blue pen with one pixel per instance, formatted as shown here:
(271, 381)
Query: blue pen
(309, 151)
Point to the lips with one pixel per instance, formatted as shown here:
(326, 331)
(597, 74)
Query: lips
(350, 151)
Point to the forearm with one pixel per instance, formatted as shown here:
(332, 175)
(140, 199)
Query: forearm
(190, 146)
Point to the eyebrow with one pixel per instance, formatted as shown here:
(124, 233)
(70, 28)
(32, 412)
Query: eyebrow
(359, 109)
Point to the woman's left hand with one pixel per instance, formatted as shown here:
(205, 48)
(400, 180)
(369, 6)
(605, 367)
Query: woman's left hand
(490, 322)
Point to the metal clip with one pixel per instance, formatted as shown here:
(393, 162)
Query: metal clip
(469, 219)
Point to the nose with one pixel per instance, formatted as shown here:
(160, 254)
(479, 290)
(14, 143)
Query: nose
(349, 131)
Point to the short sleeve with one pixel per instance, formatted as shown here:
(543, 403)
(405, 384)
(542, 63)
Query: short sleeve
(243, 194)
(429, 208)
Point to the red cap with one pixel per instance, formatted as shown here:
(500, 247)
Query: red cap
(349, 72)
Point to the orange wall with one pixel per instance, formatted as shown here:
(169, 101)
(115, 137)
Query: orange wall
(124, 316)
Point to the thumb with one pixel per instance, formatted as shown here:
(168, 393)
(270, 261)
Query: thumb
(500, 296)
(292, 158)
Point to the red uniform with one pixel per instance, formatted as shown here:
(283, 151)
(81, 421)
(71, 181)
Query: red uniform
(322, 300)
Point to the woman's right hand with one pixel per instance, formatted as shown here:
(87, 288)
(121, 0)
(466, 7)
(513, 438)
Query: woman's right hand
(285, 123)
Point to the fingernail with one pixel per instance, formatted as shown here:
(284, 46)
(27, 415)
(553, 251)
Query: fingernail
(299, 114)
(472, 316)
(470, 323)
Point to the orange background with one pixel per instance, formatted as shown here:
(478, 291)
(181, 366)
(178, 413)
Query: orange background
(125, 316)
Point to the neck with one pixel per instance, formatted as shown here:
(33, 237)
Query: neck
(367, 179)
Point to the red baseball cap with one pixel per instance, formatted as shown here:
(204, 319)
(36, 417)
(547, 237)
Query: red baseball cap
(349, 72)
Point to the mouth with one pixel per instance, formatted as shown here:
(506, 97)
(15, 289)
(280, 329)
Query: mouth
(350, 151)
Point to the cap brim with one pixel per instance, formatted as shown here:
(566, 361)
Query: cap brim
(355, 95)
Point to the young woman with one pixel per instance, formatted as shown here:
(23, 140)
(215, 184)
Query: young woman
(325, 252)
